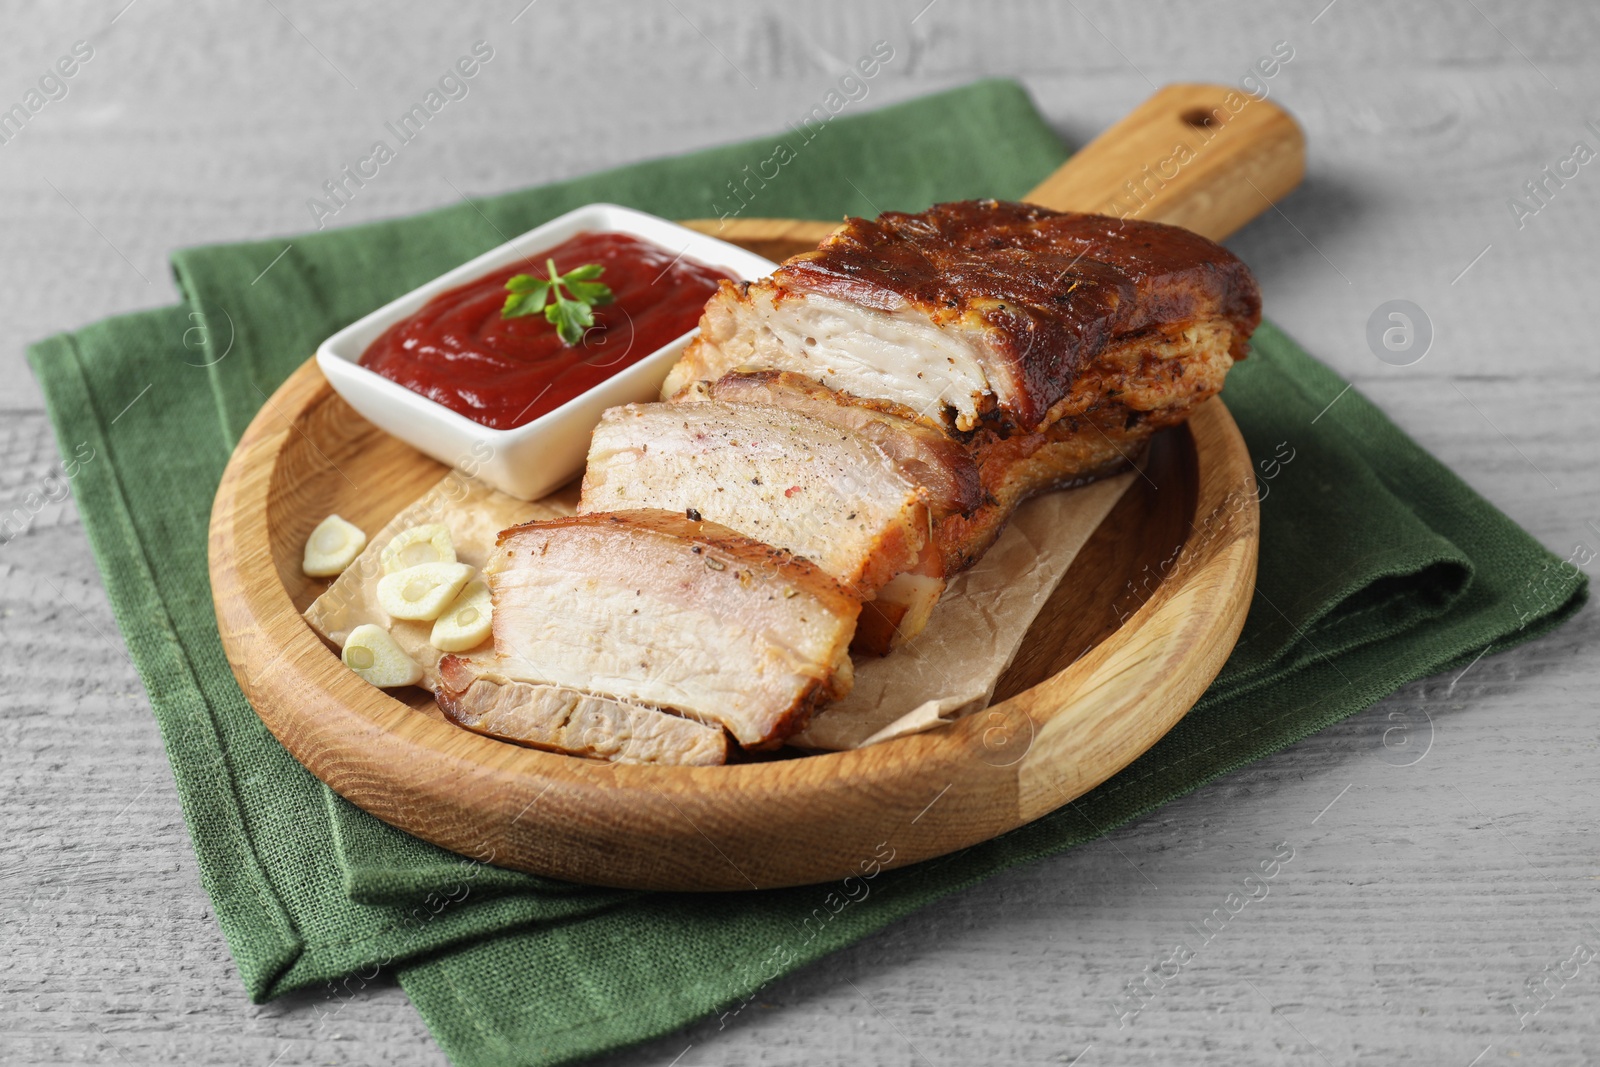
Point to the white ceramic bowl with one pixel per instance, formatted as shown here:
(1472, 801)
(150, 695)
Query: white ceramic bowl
(539, 456)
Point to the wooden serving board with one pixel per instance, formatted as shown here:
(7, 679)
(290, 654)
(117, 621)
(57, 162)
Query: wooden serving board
(1134, 634)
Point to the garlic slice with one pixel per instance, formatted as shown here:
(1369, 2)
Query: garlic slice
(467, 622)
(428, 543)
(332, 546)
(378, 659)
(421, 592)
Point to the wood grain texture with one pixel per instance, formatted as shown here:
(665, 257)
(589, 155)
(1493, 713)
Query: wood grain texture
(1417, 904)
(1208, 158)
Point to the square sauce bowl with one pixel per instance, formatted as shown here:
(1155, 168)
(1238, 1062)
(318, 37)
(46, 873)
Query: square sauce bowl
(530, 460)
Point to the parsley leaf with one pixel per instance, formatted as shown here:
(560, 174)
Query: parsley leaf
(571, 318)
(570, 314)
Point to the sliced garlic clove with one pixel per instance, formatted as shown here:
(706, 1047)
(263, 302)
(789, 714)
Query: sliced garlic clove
(429, 543)
(332, 546)
(466, 622)
(378, 659)
(423, 591)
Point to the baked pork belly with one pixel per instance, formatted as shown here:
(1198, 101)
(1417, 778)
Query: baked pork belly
(1046, 346)
(982, 310)
(560, 719)
(781, 476)
(655, 608)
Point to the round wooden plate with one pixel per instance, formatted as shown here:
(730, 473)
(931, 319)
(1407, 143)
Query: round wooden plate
(1134, 634)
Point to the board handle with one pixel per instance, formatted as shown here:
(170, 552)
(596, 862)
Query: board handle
(1208, 158)
(1205, 157)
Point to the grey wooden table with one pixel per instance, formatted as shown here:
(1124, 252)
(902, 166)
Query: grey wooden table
(1431, 880)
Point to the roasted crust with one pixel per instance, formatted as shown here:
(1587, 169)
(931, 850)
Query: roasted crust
(1016, 465)
(1049, 292)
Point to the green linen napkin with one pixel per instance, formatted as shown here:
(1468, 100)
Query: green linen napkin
(1378, 567)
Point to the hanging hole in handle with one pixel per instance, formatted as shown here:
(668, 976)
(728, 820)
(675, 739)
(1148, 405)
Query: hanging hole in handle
(1201, 119)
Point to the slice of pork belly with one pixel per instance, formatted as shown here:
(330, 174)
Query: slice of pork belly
(898, 354)
(819, 489)
(653, 607)
(984, 308)
(559, 719)
(926, 457)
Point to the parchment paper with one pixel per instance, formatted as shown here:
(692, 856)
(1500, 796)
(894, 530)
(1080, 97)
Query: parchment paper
(948, 670)
(951, 668)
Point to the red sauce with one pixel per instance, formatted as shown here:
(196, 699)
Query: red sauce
(502, 373)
